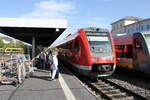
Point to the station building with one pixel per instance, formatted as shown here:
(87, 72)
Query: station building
(141, 26)
(119, 27)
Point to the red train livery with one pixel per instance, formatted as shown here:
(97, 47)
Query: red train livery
(133, 52)
(90, 51)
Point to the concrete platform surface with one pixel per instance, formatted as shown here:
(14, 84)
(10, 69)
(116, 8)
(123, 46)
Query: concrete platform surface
(39, 87)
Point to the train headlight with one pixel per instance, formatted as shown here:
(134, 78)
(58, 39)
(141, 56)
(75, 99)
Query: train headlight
(111, 58)
(94, 59)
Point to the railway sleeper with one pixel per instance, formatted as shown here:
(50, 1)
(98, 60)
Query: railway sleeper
(106, 88)
(115, 90)
(100, 86)
(110, 92)
(103, 85)
(98, 83)
(116, 94)
(124, 98)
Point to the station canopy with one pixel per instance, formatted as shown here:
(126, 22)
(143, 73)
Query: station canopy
(44, 31)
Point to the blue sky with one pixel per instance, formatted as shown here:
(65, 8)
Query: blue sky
(79, 13)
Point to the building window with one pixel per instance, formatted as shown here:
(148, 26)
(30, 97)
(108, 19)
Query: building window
(128, 31)
(137, 29)
(120, 25)
(125, 31)
(114, 28)
(141, 28)
(147, 26)
(117, 26)
(132, 30)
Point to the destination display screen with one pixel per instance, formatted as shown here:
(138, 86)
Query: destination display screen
(97, 38)
(88, 33)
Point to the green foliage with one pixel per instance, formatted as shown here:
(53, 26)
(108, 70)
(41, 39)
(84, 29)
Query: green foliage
(1, 43)
(18, 44)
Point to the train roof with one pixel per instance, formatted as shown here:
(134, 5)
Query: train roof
(68, 38)
(90, 29)
(125, 39)
(95, 29)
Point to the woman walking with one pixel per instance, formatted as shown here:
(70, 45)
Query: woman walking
(54, 65)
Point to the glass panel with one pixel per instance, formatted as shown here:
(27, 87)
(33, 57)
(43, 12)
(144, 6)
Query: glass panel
(147, 37)
(100, 45)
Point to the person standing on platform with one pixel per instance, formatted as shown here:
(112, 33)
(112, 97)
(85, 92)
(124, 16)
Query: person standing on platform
(54, 65)
(43, 59)
(50, 61)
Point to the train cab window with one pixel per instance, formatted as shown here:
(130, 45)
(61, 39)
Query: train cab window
(137, 43)
(147, 39)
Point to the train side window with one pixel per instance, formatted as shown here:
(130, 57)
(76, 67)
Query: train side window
(77, 47)
(120, 49)
(65, 46)
(130, 51)
(70, 45)
(137, 43)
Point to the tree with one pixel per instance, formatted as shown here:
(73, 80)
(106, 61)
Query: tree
(1, 43)
(19, 44)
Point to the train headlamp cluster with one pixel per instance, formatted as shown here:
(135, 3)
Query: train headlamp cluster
(95, 59)
(111, 58)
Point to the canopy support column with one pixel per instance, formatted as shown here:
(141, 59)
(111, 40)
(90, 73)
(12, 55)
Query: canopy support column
(33, 47)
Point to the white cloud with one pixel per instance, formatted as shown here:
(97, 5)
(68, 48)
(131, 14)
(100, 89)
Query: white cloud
(55, 6)
(52, 9)
(99, 22)
(91, 22)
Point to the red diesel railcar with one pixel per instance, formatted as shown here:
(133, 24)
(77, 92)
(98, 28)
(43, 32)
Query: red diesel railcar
(90, 51)
(133, 52)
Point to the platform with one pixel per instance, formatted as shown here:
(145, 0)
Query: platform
(39, 87)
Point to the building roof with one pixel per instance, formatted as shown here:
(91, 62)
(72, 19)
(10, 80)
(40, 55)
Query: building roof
(148, 19)
(46, 31)
(34, 23)
(129, 18)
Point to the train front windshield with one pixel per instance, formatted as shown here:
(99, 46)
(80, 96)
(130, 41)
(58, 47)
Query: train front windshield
(147, 38)
(100, 44)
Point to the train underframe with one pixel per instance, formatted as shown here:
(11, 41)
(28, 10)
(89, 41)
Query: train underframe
(96, 70)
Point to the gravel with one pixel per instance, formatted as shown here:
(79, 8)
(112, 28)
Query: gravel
(134, 84)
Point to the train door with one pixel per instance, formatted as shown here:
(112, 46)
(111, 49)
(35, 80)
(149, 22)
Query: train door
(77, 51)
(139, 54)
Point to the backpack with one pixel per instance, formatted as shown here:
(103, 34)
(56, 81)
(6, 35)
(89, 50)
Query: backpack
(50, 58)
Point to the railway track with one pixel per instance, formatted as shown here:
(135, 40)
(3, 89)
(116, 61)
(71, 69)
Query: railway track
(111, 91)
(105, 89)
